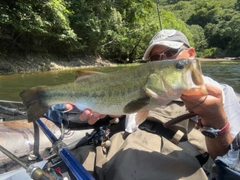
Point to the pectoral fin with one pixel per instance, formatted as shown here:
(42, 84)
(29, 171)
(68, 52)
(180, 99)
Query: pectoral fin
(136, 105)
(141, 116)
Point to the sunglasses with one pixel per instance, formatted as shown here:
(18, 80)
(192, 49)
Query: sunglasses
(168, 53)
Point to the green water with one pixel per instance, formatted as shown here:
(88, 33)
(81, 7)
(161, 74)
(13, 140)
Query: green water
(223, 72)
(12, 85)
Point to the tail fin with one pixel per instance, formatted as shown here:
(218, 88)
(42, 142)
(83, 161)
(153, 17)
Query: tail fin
(33, 99)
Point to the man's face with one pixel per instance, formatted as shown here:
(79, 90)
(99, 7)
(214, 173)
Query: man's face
(162, 52)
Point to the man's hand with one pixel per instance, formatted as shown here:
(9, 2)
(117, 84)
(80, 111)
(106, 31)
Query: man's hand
(209, 108)
(87, 114)
(92, 117)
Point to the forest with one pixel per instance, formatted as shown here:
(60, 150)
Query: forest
(117, 30)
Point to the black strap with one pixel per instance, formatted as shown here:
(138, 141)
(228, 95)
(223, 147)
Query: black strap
(202, 157)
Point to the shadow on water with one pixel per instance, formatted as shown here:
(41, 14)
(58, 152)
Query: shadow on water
(12, 85)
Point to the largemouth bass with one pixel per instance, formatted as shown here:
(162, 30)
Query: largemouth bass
(134, 89)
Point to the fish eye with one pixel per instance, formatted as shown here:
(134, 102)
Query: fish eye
(179, 65)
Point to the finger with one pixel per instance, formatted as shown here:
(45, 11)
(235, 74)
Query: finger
(69, 106)
(192, 99)
(94, 118)
(92, 121)
(102, 116)
(213, 90)
(86, 114)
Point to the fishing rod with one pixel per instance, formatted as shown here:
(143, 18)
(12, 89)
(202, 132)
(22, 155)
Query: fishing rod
(159, 15)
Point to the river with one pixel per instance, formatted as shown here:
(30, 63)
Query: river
(226, 72)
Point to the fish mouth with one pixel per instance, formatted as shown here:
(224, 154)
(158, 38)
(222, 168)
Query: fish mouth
(196, 73)
(196, 81)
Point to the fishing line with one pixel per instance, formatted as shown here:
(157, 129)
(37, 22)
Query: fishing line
(184, 116)
(199, 103)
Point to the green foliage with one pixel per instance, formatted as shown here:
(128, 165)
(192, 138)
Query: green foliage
(182, 10)
(200, 42)
(117, 30)
(114, 30)
(237, 5)
(213, 52)
(38, 26)
(204, 13)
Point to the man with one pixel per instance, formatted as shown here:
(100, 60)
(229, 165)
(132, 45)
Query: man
(172, 44)
(137, 157)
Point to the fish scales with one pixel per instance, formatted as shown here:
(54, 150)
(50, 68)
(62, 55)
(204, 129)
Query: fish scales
(104, 87)
(122, 92)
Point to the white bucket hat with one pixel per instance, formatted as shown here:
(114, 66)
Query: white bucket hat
(169, 38)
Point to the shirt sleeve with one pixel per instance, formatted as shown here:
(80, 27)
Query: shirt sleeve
(231, 105)
(229, 164)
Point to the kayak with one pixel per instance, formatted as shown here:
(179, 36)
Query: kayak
(22, 133)
(18, 138)
(59, 152)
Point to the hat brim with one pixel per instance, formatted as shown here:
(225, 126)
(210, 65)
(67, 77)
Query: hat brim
(170, 44)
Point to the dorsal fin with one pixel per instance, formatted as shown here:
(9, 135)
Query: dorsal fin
(82, 74)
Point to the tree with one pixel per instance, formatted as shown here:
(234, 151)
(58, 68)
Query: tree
(38, 26)
(198, 38)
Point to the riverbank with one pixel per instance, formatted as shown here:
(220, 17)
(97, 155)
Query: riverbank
(34, 63)
(227, 59)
